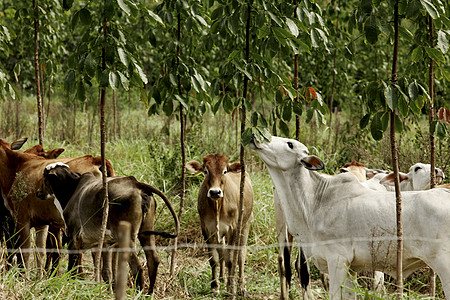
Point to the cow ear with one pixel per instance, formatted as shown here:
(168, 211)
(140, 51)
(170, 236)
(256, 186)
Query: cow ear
(16, 145)
(234, 167)
(389, 179)
(194, 166)
(51, 154)
(312, 163)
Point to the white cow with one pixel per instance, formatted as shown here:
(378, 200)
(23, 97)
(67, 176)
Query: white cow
(341, 224)
(417, 179)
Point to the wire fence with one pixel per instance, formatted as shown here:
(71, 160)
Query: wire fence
(232, 247)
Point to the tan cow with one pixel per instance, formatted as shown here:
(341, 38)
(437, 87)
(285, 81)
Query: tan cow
(21, 176)
(218, 203)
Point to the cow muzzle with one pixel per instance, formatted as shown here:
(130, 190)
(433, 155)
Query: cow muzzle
(215, 193)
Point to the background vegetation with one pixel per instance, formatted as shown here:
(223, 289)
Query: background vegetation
(160, 56)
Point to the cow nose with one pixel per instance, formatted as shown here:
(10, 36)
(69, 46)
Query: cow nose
(215, 193)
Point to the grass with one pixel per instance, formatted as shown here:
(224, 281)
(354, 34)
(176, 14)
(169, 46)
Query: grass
(148, 148)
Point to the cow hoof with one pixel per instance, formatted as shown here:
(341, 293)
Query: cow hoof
(215, 291)
(243, 293)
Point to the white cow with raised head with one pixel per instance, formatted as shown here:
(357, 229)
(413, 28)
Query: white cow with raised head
(340, 224)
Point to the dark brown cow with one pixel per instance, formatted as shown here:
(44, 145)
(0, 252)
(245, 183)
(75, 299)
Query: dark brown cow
(80, 196)
(218, 203)
(21, 176)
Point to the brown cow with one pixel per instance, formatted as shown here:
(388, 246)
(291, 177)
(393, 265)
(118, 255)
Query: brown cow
(81, 198)
(7, 224)
(21, 176)
(218, 203)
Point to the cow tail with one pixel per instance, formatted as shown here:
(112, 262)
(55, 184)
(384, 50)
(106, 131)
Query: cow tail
(304, 269)
(152, 190)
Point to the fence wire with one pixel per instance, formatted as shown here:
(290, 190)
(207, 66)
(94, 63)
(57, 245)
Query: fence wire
(205, 246)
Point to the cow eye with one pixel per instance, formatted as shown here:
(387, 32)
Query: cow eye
(225, 171)
(417, 169)
(205, 171)
(290, 145)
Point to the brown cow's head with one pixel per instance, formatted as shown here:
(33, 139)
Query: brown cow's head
(215, 167)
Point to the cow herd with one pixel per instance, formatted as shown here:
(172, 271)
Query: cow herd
(337, 220)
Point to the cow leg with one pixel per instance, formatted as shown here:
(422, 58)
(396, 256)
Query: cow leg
(136, 267)
(153, 260)
(54, 242)
(214, 262)
(337, 269)
(107, 266)
(302, 267)
(24, 243)
(378, 278)
(284, 253)
(41, 238)
(441, 265)
(12, 239)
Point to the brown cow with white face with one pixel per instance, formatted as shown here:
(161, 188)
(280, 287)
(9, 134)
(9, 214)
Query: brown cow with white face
(218, 203)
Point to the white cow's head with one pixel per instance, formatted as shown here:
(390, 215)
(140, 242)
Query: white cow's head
(418, 177)
(284, 154)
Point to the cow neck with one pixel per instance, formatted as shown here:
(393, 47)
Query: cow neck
(295, 189)
(64, 190)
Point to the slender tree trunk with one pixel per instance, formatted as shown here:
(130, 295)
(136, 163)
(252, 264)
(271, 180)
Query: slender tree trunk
(183, 150)
(37, 74)
(297, 98)
(103, 145)
(432, 141)
(238, 233)
(17, 121)
(395, 164)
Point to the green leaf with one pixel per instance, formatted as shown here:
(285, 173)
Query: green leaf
(255, 118)
(391, 97)
(287, 112)
(371, 30)
(168, 107)
(263, 32)
(365, 6)
(283, 128)
(113, 80)
(126, 9)
(398, 124)
(417, 55)
(124, 81)
(246, 136)
(228, 104)
(265, 133)
(385, 117)
(435, 54)
(69, 82)
(90, 65)
(376, 128)
(122, 56)
(155, 17)
(292, 27)
(431, 9)
(441, 130)
(67, 4)
(364, 121)
(81, 94)
(413, 90)
(85, 16)
(298, 109)
(442, 43)
(141, 73)
(413, 9)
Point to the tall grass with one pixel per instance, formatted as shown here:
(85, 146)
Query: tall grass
(148, 149)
